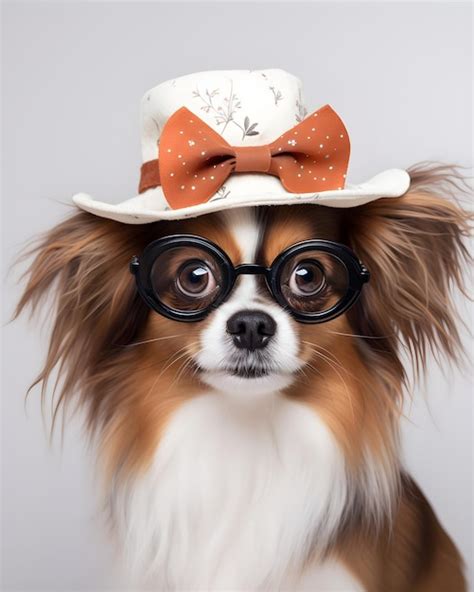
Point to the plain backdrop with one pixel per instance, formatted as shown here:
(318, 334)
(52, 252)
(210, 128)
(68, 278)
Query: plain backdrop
(400, 75)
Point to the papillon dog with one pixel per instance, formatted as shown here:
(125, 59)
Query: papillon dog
(242, 381)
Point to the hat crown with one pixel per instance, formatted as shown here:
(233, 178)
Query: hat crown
(247, 107)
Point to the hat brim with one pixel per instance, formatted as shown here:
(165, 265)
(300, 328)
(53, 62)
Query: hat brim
(140, 210)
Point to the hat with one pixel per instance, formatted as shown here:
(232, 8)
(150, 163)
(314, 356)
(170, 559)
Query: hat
(218, 140)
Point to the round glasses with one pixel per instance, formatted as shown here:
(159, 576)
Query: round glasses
(185, 277)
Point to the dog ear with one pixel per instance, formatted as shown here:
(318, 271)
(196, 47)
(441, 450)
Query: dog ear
(83, 265)
(414, 247)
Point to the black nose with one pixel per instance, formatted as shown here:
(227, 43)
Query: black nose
(251, 329)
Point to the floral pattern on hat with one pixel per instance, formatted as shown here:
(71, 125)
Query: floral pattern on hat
(225, 111)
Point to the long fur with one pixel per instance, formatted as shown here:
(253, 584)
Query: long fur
(105, 346)
(415, 248)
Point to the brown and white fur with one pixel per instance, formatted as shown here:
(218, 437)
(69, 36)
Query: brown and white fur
(291, 481)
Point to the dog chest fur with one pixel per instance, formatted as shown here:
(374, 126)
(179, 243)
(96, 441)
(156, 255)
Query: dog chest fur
(241, 490)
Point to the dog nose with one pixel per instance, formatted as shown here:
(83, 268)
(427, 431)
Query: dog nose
(251, 329)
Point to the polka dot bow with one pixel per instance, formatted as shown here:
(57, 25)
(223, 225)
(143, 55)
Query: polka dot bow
(195, 161)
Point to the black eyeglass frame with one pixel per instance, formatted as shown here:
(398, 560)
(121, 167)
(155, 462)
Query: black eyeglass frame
(141, 267)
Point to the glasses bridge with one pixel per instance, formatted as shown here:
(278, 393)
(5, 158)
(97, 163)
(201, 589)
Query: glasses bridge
(251, 269)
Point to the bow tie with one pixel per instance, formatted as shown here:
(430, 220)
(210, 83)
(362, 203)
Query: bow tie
(195, 161)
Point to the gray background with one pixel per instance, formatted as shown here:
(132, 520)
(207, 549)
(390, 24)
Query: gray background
(73, 74)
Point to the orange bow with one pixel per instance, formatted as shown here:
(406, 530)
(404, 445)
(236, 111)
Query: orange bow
(195, 161)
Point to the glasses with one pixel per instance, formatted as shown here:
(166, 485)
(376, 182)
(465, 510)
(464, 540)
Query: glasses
(185, 277)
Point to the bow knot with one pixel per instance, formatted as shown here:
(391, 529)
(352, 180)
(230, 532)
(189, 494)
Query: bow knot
(252, 159)
(195, 160)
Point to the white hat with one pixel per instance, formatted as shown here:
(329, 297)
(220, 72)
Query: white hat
(232, 110)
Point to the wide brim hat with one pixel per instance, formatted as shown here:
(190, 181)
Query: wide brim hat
(218, 140)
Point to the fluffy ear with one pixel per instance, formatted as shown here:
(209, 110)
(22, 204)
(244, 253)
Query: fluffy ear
(83, 265)
(414, 248)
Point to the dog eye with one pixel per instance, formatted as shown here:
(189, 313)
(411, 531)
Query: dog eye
(307, 279)
(195, 278)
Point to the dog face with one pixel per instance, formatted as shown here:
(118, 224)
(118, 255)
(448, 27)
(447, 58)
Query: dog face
(250, 344)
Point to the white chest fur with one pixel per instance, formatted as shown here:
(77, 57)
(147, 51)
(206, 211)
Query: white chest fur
(239, 493)
(329, 577)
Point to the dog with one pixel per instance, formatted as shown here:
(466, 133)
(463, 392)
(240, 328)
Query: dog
(248, 450)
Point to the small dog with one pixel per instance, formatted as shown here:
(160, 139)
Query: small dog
(250, 451)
